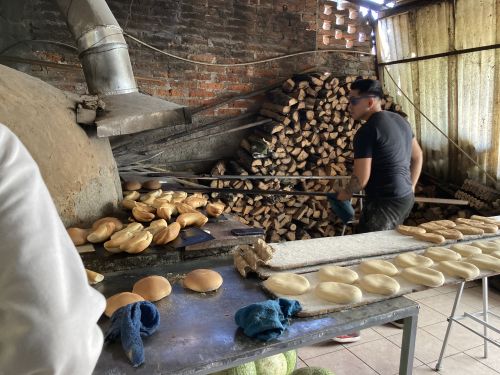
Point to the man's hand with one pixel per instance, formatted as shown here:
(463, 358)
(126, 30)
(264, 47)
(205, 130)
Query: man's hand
(343, 195)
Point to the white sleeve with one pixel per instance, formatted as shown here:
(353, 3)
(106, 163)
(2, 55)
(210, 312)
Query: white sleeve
(48, 312)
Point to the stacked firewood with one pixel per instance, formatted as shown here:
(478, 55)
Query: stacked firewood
(311, 135)
(481, 197)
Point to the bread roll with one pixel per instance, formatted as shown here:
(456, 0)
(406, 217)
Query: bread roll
(423, 276)
(93, 277)
(102, 232)
(487, 247)
(152, 288)
(429, 227)
(379, 284)
(156, 226)
(196, 202)
(439, 254)
(286, 283)
(203, 280)
(167, 234)
(467, 230)
(132, 185)
(450, 234)
(378, 266)
(118, 224)
(179, 194)
(445, 223)
(158, 202)
(119, 300)
(194, 218)
(184, 208)
(465, 250)
(142, 215)
(337, 274)
(409, 231)
(215, 209)
(151, 194)
(128, 204)
(151, 185)
(495, 254)
(166, 211)
(484, 219)
(338, 292)
(113, 245)
(138, 243)
(131, 195)
(78, 235)
(430, 237)
(455, 268)
(412, 260)
(485, 262)
(132, 227)
(488, 228)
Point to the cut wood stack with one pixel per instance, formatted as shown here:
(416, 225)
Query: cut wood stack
(311, 135)
(481, 197)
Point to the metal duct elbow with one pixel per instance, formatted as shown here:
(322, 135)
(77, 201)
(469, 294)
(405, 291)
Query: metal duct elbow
(101, 46)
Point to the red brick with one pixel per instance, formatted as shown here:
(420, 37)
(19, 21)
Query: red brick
(228, 112)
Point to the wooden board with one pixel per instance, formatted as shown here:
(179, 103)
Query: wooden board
(313, 305)
(306, 253)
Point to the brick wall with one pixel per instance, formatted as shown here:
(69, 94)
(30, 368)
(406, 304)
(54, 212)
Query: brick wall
(222, 31)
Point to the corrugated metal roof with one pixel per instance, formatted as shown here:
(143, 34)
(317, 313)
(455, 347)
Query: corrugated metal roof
(460, 94)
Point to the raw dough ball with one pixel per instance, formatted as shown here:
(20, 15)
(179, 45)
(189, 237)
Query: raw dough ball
(485, 262)
(423, 276)
(456, 268)
(337, 274)
(378, 266)
(439, 254)
(289, 284)
(465, 250)
(203, 280)
(495, 254)
(338, 292)
(379, 284)
(487, 247)
(152, 288)
(412, 260)
(113, 303)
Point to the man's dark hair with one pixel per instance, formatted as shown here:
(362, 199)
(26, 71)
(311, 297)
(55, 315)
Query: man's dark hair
(368, 87)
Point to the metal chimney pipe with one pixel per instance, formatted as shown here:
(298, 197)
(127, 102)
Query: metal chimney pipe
(101, 46)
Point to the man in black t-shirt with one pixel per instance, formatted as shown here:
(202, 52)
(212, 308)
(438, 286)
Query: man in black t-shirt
(387, 165)
(387, 160)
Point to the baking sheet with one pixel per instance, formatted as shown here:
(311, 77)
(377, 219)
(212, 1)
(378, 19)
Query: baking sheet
(313, 305)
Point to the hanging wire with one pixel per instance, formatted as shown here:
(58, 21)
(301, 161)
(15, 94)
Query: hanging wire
(439, 130)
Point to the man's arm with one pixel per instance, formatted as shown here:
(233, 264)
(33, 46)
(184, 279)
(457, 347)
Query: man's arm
(359, 178)
(48, 312)
(417, 160)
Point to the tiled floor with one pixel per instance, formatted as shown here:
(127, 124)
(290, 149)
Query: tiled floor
(379, 349)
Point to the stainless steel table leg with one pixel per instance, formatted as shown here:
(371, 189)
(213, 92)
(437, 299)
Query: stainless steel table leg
(450, 321)
(485, 314)
(408, 345)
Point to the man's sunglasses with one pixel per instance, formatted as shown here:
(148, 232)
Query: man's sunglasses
(356, 99)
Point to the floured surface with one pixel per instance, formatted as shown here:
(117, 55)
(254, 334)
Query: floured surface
(313, 305)
(304, 253)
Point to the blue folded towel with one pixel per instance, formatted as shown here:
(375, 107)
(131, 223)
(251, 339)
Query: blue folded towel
(131, 322)
(267, 320)
(343, 209)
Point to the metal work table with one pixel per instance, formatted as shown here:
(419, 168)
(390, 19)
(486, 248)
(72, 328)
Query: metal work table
(197, 334)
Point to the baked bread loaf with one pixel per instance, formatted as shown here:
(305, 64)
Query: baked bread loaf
(152, 288)
(118, 224)
(119, 300)
(445, 223)
(467, 230)
(156, 226)
(102, 232)
(184, 208)
(78, 235)
(132, 185)
(430, 237)
(409, 230)
(431, 226)
(151, 185)
(450, 234)
(167, 234)
(203, 280)
(138, 243)
(215, 209)
(195, 202)
(142, 215)
(93, 277)
(193, 218)
(166, 211)
(131, 195)
(113, 245)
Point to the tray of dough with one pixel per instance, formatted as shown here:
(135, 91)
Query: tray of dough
(313, 305)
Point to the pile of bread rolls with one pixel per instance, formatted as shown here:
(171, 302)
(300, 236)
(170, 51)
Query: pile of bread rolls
(441, 230)
(156, 217)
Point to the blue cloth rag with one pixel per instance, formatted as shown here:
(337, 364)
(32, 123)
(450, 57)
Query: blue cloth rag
(343, 209)
(267, 320)
(130, 323)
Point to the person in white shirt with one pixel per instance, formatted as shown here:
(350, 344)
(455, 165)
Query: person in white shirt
(48, 312)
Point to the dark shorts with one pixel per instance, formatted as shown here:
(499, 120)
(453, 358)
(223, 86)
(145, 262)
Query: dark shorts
(384, 214)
